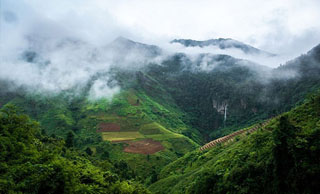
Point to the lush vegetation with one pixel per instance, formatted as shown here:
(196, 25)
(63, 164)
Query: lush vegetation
(31, 162)
(63, 116)
(282, 158)
(252, 92)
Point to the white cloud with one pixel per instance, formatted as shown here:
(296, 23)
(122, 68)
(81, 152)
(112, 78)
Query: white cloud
(100, 89)
(257, 22)
(271, 25)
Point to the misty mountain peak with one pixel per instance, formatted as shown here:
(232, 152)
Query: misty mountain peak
(122, 44)
(222, 43)
(123, 40)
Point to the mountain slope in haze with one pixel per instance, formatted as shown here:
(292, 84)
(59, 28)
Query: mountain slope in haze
(174, 105)
(222, 43)
(283, 157)
(217, 93)
(208, 88)
(124, 50)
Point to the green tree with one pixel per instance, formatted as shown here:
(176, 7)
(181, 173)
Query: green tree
(89, 151)
(283, 159)
(70, 139)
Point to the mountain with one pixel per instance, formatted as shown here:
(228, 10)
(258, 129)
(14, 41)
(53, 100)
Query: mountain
(162, 113)
(248, 93)
(125, 46)
(222, 43)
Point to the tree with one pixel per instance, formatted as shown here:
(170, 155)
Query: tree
(70, 139)
(154, 177)
(89, 151)
(283, 160)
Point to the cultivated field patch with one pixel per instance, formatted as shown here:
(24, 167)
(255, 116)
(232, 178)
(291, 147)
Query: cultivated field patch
(108, 127)
(146, 146)
(121, 136)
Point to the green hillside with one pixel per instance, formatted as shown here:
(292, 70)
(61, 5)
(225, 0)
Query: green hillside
(31, 162)
(281, 158)
(139, 118)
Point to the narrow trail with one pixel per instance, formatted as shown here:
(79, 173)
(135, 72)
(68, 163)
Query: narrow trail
(232, 135)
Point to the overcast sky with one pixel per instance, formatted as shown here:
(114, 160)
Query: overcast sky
(278, 26)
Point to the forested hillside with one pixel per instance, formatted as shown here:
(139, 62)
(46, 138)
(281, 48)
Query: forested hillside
(223, 93)
(282, 157)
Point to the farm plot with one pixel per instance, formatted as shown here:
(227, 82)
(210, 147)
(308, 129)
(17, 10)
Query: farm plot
(121, 136)
(108, 127)
(146, 146)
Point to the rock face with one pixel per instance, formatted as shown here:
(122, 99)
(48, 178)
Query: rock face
(220, 107)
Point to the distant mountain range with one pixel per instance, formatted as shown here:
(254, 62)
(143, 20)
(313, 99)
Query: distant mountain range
(222, 43)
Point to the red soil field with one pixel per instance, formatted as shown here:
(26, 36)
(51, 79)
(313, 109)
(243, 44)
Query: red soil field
(146, 146)
(108, 127)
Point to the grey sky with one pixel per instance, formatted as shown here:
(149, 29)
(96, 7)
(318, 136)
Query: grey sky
(280, 26)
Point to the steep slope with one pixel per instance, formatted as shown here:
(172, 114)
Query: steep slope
(291, 82)
(221, 93)
(205, 90)
(282, 158)
(132, 122)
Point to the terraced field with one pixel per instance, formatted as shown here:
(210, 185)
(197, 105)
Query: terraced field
(146, 146)
(138, 125)
(232, 135)
(121, 136)
(147, 140)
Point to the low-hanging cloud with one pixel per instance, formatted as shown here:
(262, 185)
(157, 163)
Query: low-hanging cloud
(259, 58)
(55, 46)
(44, 55)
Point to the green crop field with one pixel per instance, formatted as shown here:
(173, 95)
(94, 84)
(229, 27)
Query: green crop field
(121, 136)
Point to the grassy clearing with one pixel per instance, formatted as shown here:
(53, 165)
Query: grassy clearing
(121, 136)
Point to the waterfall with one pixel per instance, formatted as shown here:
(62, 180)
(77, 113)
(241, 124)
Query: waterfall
(225, 114)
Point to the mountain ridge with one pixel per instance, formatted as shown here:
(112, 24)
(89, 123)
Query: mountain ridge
(223, 43)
